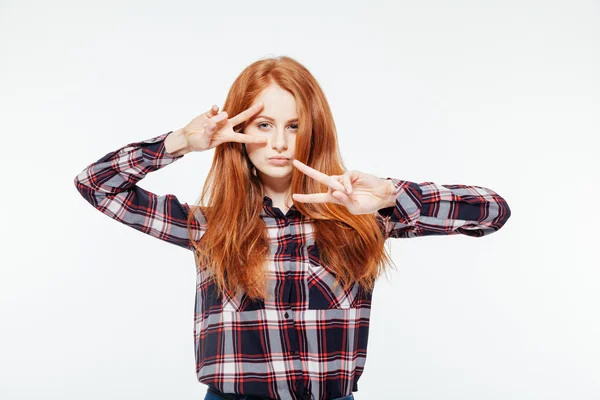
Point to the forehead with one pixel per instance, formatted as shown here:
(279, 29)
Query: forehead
(278, 103)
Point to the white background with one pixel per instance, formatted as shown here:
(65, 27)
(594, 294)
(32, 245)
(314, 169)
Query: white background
(503, 95)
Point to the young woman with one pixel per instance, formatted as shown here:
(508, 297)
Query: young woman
(287, 242)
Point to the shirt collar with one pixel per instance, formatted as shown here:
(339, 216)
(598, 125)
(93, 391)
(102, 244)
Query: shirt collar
(270, 210)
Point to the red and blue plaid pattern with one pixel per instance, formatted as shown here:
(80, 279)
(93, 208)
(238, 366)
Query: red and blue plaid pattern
(307, 340)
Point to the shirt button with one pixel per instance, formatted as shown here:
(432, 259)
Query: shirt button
(293, 352)
(286, 315)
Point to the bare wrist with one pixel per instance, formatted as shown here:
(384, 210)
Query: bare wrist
(176, 143)
(391, 197)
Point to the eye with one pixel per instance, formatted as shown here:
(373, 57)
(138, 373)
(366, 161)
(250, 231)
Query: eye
(260, 124)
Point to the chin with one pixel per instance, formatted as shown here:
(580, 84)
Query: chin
(277, 172)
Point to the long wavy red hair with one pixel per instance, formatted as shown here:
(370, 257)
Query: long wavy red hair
(235, 245)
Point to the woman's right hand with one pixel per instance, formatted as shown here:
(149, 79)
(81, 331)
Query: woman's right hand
(212, 128)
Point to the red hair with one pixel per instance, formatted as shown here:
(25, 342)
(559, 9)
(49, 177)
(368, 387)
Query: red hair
(235, 245)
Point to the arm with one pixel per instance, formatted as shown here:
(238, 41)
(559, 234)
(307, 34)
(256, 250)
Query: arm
(423, 209)
(110, 185)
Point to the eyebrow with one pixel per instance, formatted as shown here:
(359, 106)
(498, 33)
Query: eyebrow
(272, 119)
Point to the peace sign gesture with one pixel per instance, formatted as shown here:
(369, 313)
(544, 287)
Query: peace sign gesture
(210, 129)
(361, 193)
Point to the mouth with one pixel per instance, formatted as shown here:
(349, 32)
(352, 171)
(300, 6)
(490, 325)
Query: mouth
(281, 161)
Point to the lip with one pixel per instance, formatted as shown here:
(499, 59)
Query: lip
(278, 161)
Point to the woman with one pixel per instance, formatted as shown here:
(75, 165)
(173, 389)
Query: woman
(288, 243)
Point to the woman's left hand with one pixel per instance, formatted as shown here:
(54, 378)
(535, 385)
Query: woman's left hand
(361, 193)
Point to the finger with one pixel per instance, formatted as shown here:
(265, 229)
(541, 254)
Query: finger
(314, 198)
(210, 128)
(244, 115)
(342, 180)
(342, 197)
(347, 182)
(218, 118)
(213, 111)
(318, 176)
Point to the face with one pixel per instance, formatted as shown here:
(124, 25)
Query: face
(278, 121)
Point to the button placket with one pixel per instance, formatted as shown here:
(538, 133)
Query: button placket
(306, 394)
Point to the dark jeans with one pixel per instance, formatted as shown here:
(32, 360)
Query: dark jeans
(214, 394)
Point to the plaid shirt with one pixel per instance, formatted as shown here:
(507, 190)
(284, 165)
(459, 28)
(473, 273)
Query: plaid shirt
(308, 340)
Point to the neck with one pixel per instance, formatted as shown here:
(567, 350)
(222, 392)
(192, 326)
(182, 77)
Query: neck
(279, 190)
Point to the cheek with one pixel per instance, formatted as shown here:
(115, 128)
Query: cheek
(252, 148)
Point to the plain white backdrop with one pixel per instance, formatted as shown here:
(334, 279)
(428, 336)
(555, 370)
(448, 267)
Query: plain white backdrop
(503, 95)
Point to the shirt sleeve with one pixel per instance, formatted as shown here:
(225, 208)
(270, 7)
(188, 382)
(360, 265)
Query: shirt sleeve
(110, 185)
(427, 208)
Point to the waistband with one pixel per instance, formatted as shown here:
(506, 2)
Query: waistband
(232, 396)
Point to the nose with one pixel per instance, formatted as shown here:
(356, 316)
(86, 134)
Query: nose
(279, 141)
